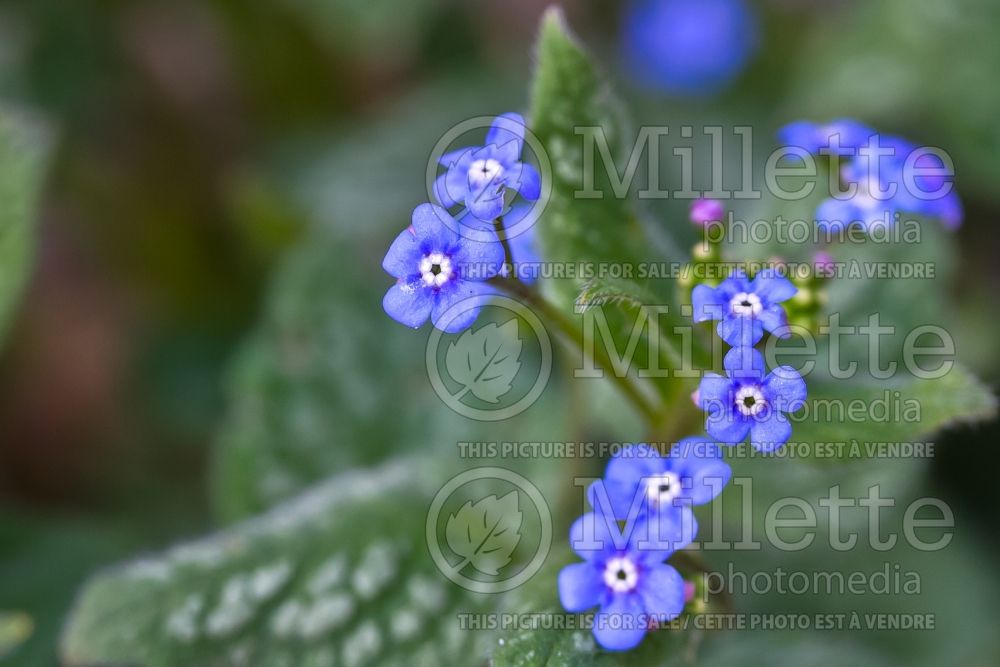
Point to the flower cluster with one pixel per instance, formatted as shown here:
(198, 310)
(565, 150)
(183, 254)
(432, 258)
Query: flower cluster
(747, 400)
(883, 175)
(442, 265)
(623, 572)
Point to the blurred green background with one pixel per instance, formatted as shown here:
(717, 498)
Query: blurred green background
(218, 167)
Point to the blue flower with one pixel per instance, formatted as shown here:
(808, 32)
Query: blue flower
(624, 576)
(870, 210)
(898, 191)
(851, 135)
(640, 483)
(748, 402)
(745, 308)
(436, 268)
(691, 473)
(688, 47)
(480, 176)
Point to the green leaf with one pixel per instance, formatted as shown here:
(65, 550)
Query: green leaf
(42, 564)
(15, 628)
(627, 294)
(24, 148)
(339, 575)
(316, 381)
(568, 94)
(900, 411)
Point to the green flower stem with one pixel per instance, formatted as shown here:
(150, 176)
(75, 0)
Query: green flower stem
(549, 312)
(508, 255)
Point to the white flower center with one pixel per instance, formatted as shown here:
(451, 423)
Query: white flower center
(484, 172)
(745, 304)
(750, 401)
(620, 575)
(663, 488)
(435, 269)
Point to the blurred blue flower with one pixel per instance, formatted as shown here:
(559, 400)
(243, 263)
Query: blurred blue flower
(639, 482)
(436, 268)
(850, 135)
(884, 186)
(480, 176)
(745, 308)
(624, 576)
(688, 47)
(864, 207)
(746, 401)
(921, 192)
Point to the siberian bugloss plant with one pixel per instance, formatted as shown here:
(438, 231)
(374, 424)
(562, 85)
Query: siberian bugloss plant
(339, 562)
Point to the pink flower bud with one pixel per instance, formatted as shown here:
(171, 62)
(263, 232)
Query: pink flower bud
(704, 211)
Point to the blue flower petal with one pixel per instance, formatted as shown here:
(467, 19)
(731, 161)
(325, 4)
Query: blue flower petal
(949, 209)
(768, 434)
(772, 287)
(662, 591)
(485, 206)
(625, 477)
(706, 304)
(620, 624)
(507, 134)
(836, 214)
(726, 427)
(434, 228)
(581, 586)
(408, 303)
(456, 157)
(479, 260)
(851, 134)
(813, 136)
(715, 392)
(744, 364)
(785, 389)
(736, 282)
(801, 133)
(441, 192)
(699, 463)
(595, 536)
(655, 536)
(774, 319)
(740, 331)
(526, 180)
(458, 306)
(402, 259)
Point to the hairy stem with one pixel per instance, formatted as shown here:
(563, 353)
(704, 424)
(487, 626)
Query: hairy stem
(573, 334)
